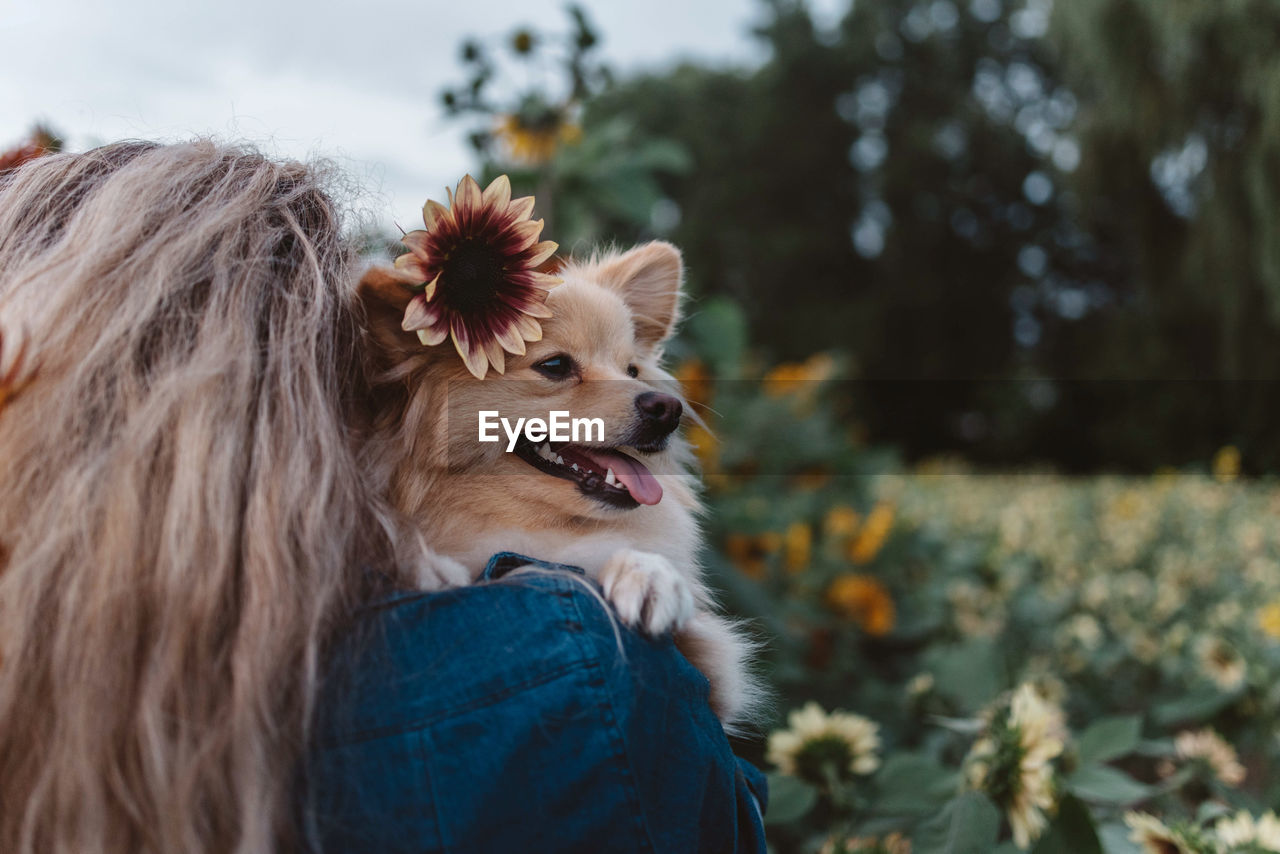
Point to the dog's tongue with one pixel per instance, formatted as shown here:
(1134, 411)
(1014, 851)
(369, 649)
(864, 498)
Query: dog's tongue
(631, 473)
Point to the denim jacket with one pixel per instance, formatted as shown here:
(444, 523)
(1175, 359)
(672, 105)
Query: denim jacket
(515, 715)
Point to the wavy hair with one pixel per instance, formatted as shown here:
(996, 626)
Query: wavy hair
(183, 516)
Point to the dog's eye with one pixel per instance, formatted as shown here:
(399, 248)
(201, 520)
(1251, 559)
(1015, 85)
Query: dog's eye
(633, 371)
(557, 367)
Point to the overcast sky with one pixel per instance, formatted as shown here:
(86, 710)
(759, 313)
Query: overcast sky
(305, 78)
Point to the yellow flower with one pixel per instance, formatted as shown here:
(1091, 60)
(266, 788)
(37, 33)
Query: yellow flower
(523, 41)
(1226, 464)
(474, 269)
(1013, 762)
(1241, 829)
(750, 552)
(795, 377)
(920, 684)
(894, 843)
(695, 382)
(841, 521)
(1269, 619)
(863, 599)
(705, 446)
(1221, 662)
(873, 535)
(534, 141)
(1210, 748)
(797, 547)
(817, 744)
(1155, 837)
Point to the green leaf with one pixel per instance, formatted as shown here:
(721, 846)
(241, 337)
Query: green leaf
(912, 782)
(1210, 811)
(1071, 832)
(969, 673)
(789, 799)
(1109, 738)
(968, 825)
(1115, 839)
(719, 330)
(1200, 705)
(1103, 784)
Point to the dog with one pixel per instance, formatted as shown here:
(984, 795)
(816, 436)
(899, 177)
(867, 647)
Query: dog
(623, 506)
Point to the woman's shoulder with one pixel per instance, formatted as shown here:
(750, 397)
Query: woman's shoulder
(515, 713)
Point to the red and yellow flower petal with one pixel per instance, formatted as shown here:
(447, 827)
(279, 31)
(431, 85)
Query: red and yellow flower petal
(432, 336)
(469, 198)
(412, 268)
(509, 337)
(435, 214)
(498, 194)
(417, 243)
(417, 315)
(529, 329)
(546, 281)
(520, 208)
(527, 232)
(541, 252)
(537, 309)
(495, 353)
(471, 351)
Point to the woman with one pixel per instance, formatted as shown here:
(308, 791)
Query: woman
(193, 563)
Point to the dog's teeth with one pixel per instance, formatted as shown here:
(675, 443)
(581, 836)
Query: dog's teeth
(574, 466)
(559, 459)
(609, 478)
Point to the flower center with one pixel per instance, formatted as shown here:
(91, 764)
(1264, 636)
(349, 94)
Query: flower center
(822, 755)
(472, 274)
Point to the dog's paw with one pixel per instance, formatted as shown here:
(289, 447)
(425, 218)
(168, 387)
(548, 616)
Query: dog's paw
(440, 572)
(650, 594)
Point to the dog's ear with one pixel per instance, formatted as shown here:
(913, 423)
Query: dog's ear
(385, 295)
(385, 286)
(648, 279)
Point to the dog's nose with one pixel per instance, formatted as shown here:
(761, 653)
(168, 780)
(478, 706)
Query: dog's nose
(660, 410)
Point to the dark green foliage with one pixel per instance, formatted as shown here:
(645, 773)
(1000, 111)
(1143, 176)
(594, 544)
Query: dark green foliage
(1029, 232)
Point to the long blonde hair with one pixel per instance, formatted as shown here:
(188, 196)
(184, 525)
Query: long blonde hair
(183, 518)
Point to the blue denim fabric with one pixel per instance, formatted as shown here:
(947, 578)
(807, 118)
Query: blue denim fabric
(510, 716)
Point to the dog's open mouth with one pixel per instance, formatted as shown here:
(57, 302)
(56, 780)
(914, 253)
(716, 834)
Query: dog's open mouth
(605, 474)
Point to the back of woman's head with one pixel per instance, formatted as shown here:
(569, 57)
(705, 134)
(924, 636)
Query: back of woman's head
(181, 514)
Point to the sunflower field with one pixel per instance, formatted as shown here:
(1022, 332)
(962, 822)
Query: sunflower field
(968, 662)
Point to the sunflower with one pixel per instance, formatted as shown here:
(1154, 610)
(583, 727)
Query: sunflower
(1155, 837)
(818, 745)
(874, 533)
(534, 133)
(1269, 619)
(1242, 831)
(1218, 756)
(894, 843)
(476, 268)
(1013, 762)
(797, 547)
(863, 599)
(751, 552)
(1221, 662)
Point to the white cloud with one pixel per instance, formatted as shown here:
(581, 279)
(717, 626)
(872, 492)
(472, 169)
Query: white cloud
(305, 79)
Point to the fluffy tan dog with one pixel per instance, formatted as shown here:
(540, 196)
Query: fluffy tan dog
(621, 505)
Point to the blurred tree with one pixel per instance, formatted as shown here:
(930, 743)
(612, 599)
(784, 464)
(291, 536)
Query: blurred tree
(1180, 184)
(873, 187)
